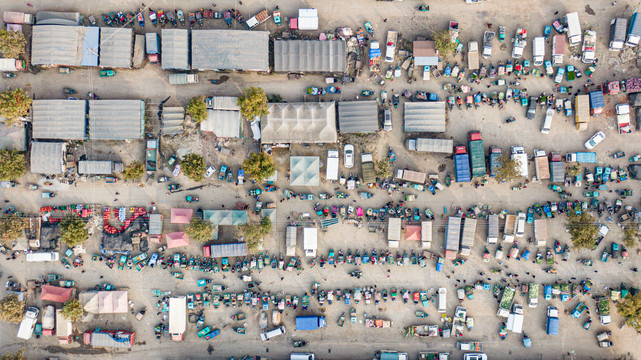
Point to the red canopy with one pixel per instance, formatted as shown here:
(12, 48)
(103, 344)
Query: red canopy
(181, 216)
(413, 232)
(176, 239)
(55, 293)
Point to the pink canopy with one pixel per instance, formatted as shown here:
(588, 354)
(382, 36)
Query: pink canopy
(55, 293)
(181, 216)
(177, 239)
(413, 232)
(112, 302)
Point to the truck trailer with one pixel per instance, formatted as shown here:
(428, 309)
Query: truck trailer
(452, 237)
(477, 154)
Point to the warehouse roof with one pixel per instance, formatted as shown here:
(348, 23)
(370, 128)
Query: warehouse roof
(230, 50)
(92, 167)
(424, 116)
(116, 119)
(175, 49)
(172, 120)
(309, 56)
(358, 116)
(59, 119)
(47, 157)
(116, 45)
(64, 45)
(304, 170)
(299, 123)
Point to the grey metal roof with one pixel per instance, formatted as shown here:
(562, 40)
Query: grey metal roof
(56, 45)
(435, 145)
(92, 167)
(299, 123)
(304, 170)
(358, 116)
(223, 123)
(309, 56)
(424, 116)
(116, 45)
(172, 120)
(58, 18)
(155, 224)
(47, 157)
(225, 103)
(228, 250)
(59, 119)
(230, 50)
(175, 49)
(116, 119)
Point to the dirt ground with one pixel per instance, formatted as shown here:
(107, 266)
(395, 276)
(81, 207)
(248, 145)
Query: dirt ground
(353, 341)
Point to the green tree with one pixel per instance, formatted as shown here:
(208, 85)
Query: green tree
(383, 168)
(443, 43)
(253, 102)
(72, 310)
(19, 355)
(253, 233)
(12, 43)
(259, 166)
(11, 227)
(14, 106)
(508, 168)
(134, 171)
(73, 231)
(11, 309)
(194, 167)
(197, 109)
(629, 308)
(13, 164)
(632, 234)
(583, 231)
(199, 230)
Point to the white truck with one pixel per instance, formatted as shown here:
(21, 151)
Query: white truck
(618, 29)
(509, 228)
(183, 79)
(518, 153)
(520, 225)
(11, 65)
(542, 165)
(473, 55)
(538, 50)
(331, 169)
(558, 49)
(488, 41)
(515, 319)
(390, 49)
(492, 229)
(574, 28)
(623, 118)
(520, 40)
(589, 47)
(28, 323)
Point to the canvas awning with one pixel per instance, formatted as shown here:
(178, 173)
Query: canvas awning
(413, 232)
(424, 116)
(358, 116)
(181, 216)
(309, 56)
(55, 293)
(307, 19)
(176, 239)
(226, 217)
(116, 119)
(299, 123)
(425, 53)
(304, 170)
(228, 250)
(177, 315)
(116, 45)
(59, 119)
(47, 157)
(394, 229)
(112, 302)
(230, 50)
(175, 49)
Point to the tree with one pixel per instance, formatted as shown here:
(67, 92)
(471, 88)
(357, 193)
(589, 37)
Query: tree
(197, 109)
(508, 168)
(134, 171)
(12, 43)
(12, 164)
(259, 166)
(194, 167)
(19, 355)
(383, 168)
(582, 230)
(632, 234)
(72, 310)
(14, 106)
(255, 232)
(199, 230)
(629, 308)
(253, 102)
(73, 231)
(443, 43)
(11, 227)
(11, 309)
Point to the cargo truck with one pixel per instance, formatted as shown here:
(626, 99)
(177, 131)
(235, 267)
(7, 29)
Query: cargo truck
(538, 51)
(623, 118)
(411, 176)
(183, 79)
(589, 47)
(542, 166)
(390, 48)
(257, 19)
(48, 320)
(11, 65)
(618, 28)
(16, 17)
(533, 295)
(514, 321)
(492, 229)
(375, 56)
(462, 165)
(582, 111)
(452, 236)
(574, 28)
(581, 157)
(634, 30)
(520, 225)
(488, 41)
(596, 102)
(331, 169)
(506, 302)
(518, 153)
(540, 232)
(152, 47)
(473, 55)
(25, 331)
(603, 309)
(151, 163)
(310, 322)
(520, 40)
(509, 228)
(477, 154)
(552, 323)
(495, 160)
(367, 168)
(467, 236)
(558, 49)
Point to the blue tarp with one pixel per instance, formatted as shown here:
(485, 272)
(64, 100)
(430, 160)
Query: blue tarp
(309, 322)
(90, 46)
(552, 326)
(462, 167)
(228, 250)
(374, 53)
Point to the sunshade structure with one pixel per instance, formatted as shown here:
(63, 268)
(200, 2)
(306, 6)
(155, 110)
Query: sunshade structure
(55, 293)
(53, 45)
(47, 157)
(116, 119)
(228, 250)
(230, 50)
(172, 120)
(424, 116)
(358, 116)
(307, 19)
(177, 317)
(226, 217)
(112, 302)
(116, 45)
(181, 216)
(177, 239)
(59, 119)
(223, 118)
(425, 53)
(309, 56)
(299, 123)
(413, 232)
(290, 240)
(175, 49)
(304, 170)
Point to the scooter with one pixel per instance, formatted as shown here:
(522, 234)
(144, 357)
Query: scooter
(161, 17)
(510, 120)
(459, 102)
(181, 16)
(152, 17)
(141, 19)
(199, 18)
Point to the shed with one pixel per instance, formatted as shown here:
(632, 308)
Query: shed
(55, 293)
(310, 241)
(394, 229)
(53, 45)
(358, 116)
(223, 123)
(226, 217)
(424, 116)
(425, 53)
(172, 120)
(116, 45)
(290, 240)
(177, 317)
(307, 19)
(112, 302)
(59, 119)
(426, 234)
(47, 157)
(229, 50)
(116, 119)
(304, 170)
(413, 232)
(177, 239)
(181, 216)
(228, 250)
(309, 56)
(435, 145)
(299, 123)
(175, 49)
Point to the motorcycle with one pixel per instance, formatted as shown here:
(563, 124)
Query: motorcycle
(181, 16)
(161, 17)
(199, 18)
(171, 18)
(152, 17)
(141, 19)
(459, 102)
(510, 120)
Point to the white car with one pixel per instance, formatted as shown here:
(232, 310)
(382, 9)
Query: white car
(210, 171)
(387, 120)
(594, 140)
(476, 356)
(349, 155)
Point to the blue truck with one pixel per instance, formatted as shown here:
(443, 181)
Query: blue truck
(310, 322)
(596, 102)
(634, 30)
(581, 157)
(552, 323)
(462, 164)
(495, 160)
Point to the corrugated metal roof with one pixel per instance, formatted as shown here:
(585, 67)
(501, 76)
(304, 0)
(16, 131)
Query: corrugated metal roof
(175, 49)
(299, 123)
(230, 50)
(59, 119)
(435, 145)
(304, 170)
(309, 56)
(115, 47)
(172, 120)
(358, 116)
(223, 123)
(95, 167)
(90, 46)
(116, 119)
(228, 250)
(155, 224)
(56, 45)
(225, 103)
(47, 157)
(424, 116)
(58, 18)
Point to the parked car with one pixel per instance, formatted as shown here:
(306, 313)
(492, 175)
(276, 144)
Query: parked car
(349, 155)
(594, 140)
(387, 120)
(531, 110)
(210, 171)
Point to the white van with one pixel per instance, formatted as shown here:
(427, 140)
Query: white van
(272, 333)
(520, 225)
(538, 51)
(41, 256)
(574, 28)
(547, 123)
(442, 300)
(301, 356)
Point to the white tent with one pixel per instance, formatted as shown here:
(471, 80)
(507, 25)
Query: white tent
(112, 302)
(393, 232)
(304, 170)
(290, 240)
(177, 317)
(310, 241)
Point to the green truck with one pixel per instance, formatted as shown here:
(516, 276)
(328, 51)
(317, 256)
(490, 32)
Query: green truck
(477, 154)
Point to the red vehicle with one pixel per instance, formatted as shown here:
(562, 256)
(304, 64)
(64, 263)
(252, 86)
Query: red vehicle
(611, 87)
(416, 296)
